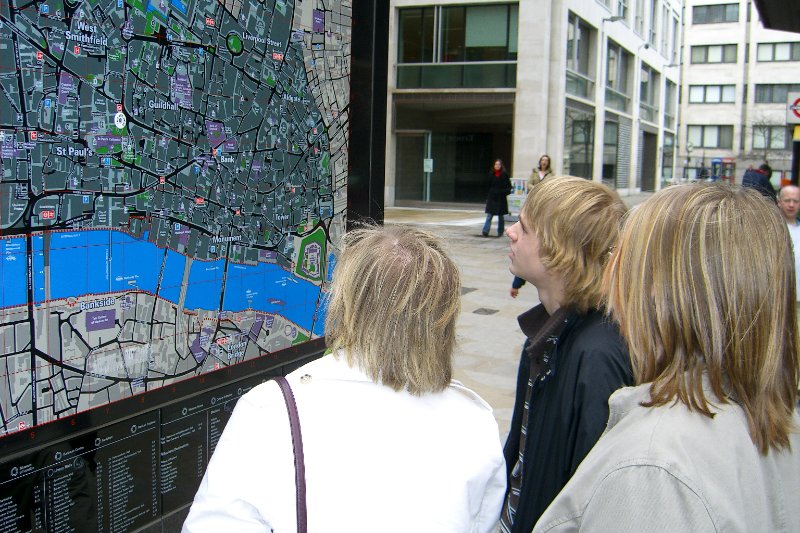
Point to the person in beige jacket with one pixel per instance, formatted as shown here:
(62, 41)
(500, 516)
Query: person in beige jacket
(708, 440)
(542, 171)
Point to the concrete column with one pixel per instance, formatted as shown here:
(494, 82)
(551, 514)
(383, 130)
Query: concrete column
(557, 87)
(532, 102)
(635, 179)
(600, 100)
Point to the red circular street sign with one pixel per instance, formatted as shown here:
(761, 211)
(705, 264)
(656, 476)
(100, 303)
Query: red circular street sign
(795, 107)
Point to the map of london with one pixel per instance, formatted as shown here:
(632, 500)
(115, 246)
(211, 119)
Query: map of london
(172, 176)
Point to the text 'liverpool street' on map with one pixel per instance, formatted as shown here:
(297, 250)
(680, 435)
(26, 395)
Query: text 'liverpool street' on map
(173, 175)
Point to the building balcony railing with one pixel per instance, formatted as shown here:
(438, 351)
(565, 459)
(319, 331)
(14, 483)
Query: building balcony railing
(466, 75)
(579, 85)
(647, 112)
(669, 121)
(617, 100)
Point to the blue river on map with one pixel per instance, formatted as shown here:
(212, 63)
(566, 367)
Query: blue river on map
(13, 266)
(98, 262)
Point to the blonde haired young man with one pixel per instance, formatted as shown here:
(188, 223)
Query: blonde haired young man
(708, 440)
(574, 357)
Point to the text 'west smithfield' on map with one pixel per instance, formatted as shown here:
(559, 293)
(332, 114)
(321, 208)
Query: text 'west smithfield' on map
(173, 175)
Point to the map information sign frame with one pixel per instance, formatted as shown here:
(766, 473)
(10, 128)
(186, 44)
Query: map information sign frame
(172, 185)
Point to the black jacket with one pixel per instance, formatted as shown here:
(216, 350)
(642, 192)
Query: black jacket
(496, 201)
(585, 361)
(759, 180)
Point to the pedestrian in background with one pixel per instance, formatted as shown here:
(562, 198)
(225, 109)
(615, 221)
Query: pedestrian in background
(708, 440)
(542, 171)
(497, 201)
(758, 179)
(789, 204)
(516, 285)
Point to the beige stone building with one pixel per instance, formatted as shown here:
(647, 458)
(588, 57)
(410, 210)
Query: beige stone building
(737, 77)
(592, 83)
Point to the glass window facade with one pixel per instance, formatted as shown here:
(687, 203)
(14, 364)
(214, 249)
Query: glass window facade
(775, 93)
(619, 61)
(668, 156)
(578, 142)
(453, 34)
(714, 14)
(444, 46)
(676, 45)
(770, 138)
(622, 9)
(618, 67)
(638, 21)
(717, 53)
(462, 160)
(648, 94)
(712, 94)
(671, 103)
(578, 34)
(652, 23)
(416, 35)
(778, 52)
(579, 77)
(488, 35)
(710, 136)
(610, 152)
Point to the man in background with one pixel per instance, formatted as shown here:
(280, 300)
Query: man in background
(789, 204)
(759, 180)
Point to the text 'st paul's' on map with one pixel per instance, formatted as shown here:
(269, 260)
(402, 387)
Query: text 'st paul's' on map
(172, 177)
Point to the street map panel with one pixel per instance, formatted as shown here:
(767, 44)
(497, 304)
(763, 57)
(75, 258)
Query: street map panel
(172, 183)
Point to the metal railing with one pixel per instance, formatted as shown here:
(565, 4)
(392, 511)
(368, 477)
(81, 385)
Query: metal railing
(579, 85)
(647, 112)
(617, 100)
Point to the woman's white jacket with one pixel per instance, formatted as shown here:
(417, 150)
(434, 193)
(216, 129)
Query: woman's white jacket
(377, 460)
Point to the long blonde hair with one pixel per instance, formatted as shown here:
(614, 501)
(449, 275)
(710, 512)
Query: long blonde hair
(703, 287)
(395, 299)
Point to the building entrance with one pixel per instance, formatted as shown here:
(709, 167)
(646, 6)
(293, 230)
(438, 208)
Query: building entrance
(410, 165)
(445, 166)
(649, 160)
(445, 146)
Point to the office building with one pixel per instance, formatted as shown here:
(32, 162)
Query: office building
(737, 77)
(592, 83)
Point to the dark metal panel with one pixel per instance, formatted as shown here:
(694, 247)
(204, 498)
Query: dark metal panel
(367, 145)
(779, 14)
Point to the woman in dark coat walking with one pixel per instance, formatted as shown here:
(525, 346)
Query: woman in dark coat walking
(496, 202)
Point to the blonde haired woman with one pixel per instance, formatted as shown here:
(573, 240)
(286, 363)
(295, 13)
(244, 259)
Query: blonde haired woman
(390, 442)
(709, 439)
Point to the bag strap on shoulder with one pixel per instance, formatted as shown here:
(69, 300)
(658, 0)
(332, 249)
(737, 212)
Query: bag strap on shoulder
(299, 461)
